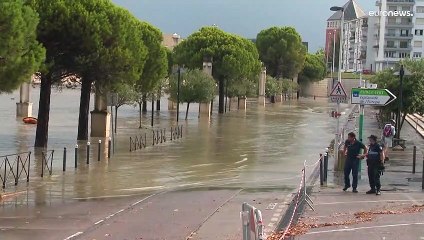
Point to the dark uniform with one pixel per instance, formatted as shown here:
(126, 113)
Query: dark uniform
(352, 162)
(374, 162)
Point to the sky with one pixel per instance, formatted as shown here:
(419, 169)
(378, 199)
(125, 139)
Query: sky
(243, 17)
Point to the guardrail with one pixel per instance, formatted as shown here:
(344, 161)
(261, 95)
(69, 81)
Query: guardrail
(158, 136)
(14, 165)
(47, 162)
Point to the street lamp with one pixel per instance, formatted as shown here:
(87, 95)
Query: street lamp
(336, 140)
(402, 72)
(178, 93)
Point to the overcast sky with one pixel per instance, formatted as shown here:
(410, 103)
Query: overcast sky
(242, 17)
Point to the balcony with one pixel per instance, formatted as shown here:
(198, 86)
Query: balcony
(395, 36)
(400, 2)
(397, 48)
(400, 25)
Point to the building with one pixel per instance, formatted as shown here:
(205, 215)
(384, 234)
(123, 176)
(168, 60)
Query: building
(171, 40)
(399, 35)
(355, 36)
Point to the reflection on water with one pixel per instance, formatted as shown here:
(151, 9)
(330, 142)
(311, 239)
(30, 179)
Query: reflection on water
(258, 148)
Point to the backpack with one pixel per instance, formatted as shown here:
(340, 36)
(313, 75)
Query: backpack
(387, 132)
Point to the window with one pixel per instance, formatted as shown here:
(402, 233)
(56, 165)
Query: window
(391, 32)
(419, 21)
(392, 8)
(404, 32)
(417, 55)
(389, 54)
(418, 44)
(391, 20)
(419, 32)
(406, 20)
(391, 44)
(406, 8)
(420, 9)
(403, 55)
(403, 44)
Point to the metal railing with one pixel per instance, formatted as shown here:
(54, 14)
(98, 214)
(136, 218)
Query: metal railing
(14, 165)
(158, 136)
(47, 162)
(301, 196)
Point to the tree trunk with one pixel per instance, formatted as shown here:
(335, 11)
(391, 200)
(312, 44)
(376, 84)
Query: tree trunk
(158, 105)
(272, 99)
(221, 96)
(116, 118)
(42, 132)
(144, 98)
(139, 114)
(188, 106)
(84, 109)
(153, 111)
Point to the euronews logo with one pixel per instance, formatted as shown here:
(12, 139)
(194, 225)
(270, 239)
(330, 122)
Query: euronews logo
(391, 13)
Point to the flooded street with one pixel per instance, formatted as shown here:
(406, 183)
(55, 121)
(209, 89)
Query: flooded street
(256, 148)
(233, 158)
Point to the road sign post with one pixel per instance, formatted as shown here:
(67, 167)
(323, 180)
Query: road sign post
(338, 95)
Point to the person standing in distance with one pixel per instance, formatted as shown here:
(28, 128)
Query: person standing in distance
(389, 132)
(375, 159)
(352, 150)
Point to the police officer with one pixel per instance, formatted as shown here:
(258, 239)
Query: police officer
(375, 159)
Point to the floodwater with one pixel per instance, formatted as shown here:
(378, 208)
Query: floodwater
(259, 147)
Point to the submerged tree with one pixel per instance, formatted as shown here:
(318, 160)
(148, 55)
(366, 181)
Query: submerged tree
(232, 56)
(195, 87)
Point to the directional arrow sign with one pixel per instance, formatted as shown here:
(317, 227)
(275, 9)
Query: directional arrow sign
(374, 97)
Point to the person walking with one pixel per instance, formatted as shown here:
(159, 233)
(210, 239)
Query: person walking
(375, 159)
(352, 150)
(389, 132)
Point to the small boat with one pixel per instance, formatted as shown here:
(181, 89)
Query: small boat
(30, 120)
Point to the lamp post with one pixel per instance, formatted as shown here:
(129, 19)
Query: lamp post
(336, 140)
(399, 119)
(178, 93)
(334, 52)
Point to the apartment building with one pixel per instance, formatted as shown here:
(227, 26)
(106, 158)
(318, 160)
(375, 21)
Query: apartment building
(354, 36)
(397, 36)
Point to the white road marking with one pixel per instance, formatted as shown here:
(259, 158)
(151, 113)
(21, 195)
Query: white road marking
(99, 222)
(74, 235)
(271, 225)
(280, 210)
(274, 219)
(362, 228)
(276, 215)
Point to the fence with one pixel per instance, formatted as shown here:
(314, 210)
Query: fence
(158, 136)
(301, 198)
(20, 162)
(253, 227)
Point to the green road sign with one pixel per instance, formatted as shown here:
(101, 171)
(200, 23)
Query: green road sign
(374, 97)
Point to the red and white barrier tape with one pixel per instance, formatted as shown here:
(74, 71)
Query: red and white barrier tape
(295, 206)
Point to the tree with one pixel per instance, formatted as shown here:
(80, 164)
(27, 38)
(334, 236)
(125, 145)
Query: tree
(126, 96)
(413, 87)
(21, 55)
(272, 88)
(288, 86)
(117, 56)
(156, 66)
(91, 39)
(232, 56)
(196, 87)
(314, 69)
(282, 51)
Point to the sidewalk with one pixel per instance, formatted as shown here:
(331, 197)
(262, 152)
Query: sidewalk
(397, 214)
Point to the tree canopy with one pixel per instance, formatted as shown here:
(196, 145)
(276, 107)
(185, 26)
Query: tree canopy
(282, 51)
(232, 56)
(314, 68)
(21, 55)
(272, 87)
(413, 87)
(195, 87)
